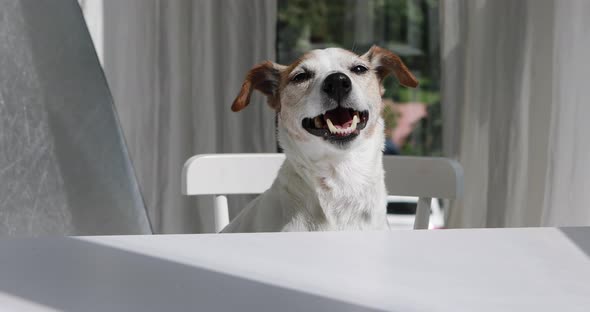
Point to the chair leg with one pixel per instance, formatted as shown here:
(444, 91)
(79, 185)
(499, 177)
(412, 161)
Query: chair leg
(221, 213)
(422, 213)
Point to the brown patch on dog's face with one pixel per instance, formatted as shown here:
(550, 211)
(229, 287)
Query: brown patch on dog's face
(289, 69)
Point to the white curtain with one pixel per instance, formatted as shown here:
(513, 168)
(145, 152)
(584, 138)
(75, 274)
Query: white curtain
(514, 108)
(567, 195)
(173, 68)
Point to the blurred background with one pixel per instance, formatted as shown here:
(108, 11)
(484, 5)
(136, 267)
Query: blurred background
(502, 90)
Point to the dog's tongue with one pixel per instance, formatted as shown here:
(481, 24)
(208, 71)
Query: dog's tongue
(340, 117)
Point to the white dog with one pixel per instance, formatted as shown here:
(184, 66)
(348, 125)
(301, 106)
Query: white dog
(329, 108)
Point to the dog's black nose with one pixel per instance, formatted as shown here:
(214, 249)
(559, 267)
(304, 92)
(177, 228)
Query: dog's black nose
(337, 86)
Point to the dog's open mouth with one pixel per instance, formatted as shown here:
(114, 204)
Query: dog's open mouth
(339, 124)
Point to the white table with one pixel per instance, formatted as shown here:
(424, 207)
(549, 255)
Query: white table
(543, 269)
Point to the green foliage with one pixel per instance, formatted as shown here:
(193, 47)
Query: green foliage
(423, 96)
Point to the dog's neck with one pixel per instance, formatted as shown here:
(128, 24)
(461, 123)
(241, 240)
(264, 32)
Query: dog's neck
(343, 186)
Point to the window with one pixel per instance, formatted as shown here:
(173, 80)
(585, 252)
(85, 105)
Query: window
(407, 27)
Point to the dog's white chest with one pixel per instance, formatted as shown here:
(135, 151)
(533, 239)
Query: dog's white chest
(331, 198)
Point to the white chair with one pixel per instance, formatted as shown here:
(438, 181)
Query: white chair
(224, 174)
(399, 219)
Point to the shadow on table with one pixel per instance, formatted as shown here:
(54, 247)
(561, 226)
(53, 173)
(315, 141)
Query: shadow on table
(74, 275)
(580, 236)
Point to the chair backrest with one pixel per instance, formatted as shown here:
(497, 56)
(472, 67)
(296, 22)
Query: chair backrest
(223, 174)
(434, 177)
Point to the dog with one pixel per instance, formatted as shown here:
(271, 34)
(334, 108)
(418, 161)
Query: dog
(328, 105)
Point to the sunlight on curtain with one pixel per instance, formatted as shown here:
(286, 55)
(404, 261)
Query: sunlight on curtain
(513, 110)
(174, 68)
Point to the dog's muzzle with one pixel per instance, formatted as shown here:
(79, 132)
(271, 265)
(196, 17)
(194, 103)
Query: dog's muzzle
(339, 124)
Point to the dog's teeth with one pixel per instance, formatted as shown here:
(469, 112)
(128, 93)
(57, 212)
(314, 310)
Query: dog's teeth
(355, 121)
(318, 122)
(331, 126)
(350, 129)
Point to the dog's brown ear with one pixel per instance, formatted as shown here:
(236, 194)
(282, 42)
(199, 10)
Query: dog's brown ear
(387, 62)
(264, 77)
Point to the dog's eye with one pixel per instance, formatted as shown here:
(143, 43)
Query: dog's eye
(359, 69)
(301, 77)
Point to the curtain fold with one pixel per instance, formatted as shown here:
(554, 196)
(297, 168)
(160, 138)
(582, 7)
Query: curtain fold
(508, 103)
(567, 195)
(174, 68)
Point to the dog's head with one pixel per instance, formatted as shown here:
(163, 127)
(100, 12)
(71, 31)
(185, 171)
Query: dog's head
(328, 98)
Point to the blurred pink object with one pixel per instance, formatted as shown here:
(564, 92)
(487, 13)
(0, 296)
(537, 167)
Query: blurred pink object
(408, 115)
